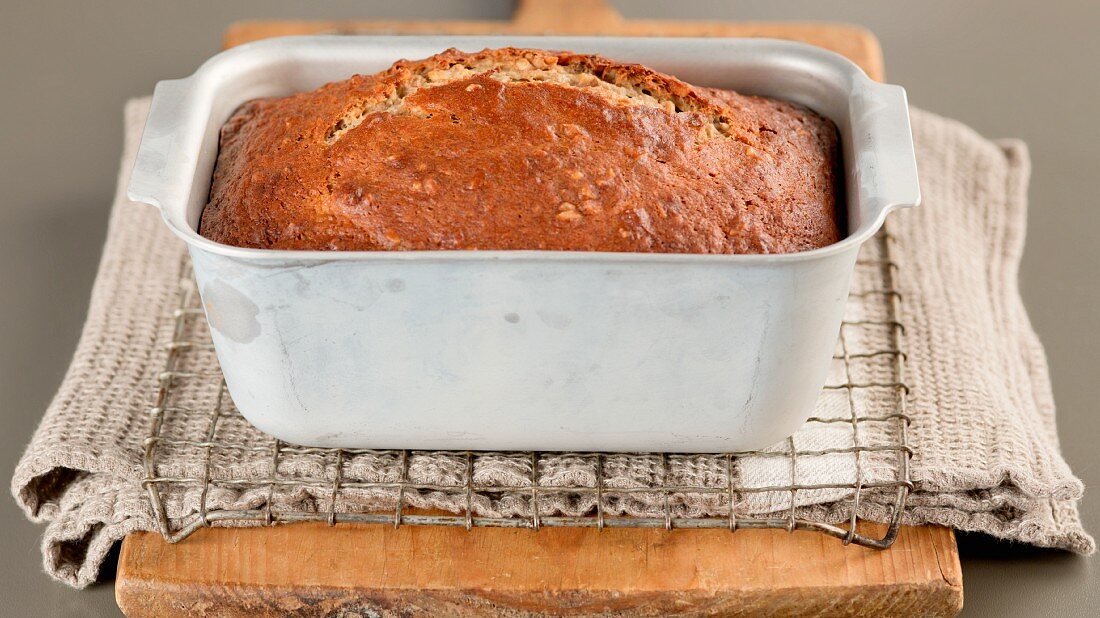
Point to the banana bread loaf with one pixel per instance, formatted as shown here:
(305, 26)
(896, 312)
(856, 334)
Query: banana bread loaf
(524, 149)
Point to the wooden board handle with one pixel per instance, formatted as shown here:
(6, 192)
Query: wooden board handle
(566, 16)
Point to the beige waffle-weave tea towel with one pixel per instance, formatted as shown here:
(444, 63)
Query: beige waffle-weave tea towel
(987, 455)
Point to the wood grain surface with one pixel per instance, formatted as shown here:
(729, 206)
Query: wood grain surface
(587, 17)
(315, 570)
(362, 570)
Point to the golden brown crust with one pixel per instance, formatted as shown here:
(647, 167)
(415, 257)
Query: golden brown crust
(524, 149)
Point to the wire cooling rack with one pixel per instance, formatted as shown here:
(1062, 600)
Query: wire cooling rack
(205, 465)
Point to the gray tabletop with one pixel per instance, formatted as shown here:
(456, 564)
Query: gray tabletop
(1009, 69)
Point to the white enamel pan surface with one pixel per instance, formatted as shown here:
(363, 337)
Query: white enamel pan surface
(528, 350)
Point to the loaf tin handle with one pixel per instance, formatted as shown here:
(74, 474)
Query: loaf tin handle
(162, 168)
(886, 163)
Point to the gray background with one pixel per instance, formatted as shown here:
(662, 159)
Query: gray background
(1009, 69)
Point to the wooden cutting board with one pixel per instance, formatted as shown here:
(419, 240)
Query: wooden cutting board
(363, 570)
(315, 570)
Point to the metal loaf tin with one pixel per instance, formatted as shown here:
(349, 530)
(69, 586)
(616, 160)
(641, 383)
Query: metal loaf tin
(529, 350)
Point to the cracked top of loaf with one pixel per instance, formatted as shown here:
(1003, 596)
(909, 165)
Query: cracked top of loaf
(524, 149)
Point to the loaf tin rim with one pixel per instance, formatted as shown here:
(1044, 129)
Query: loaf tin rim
(139, 189)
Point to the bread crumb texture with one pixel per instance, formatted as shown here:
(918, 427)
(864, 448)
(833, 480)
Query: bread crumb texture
(524, 149)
